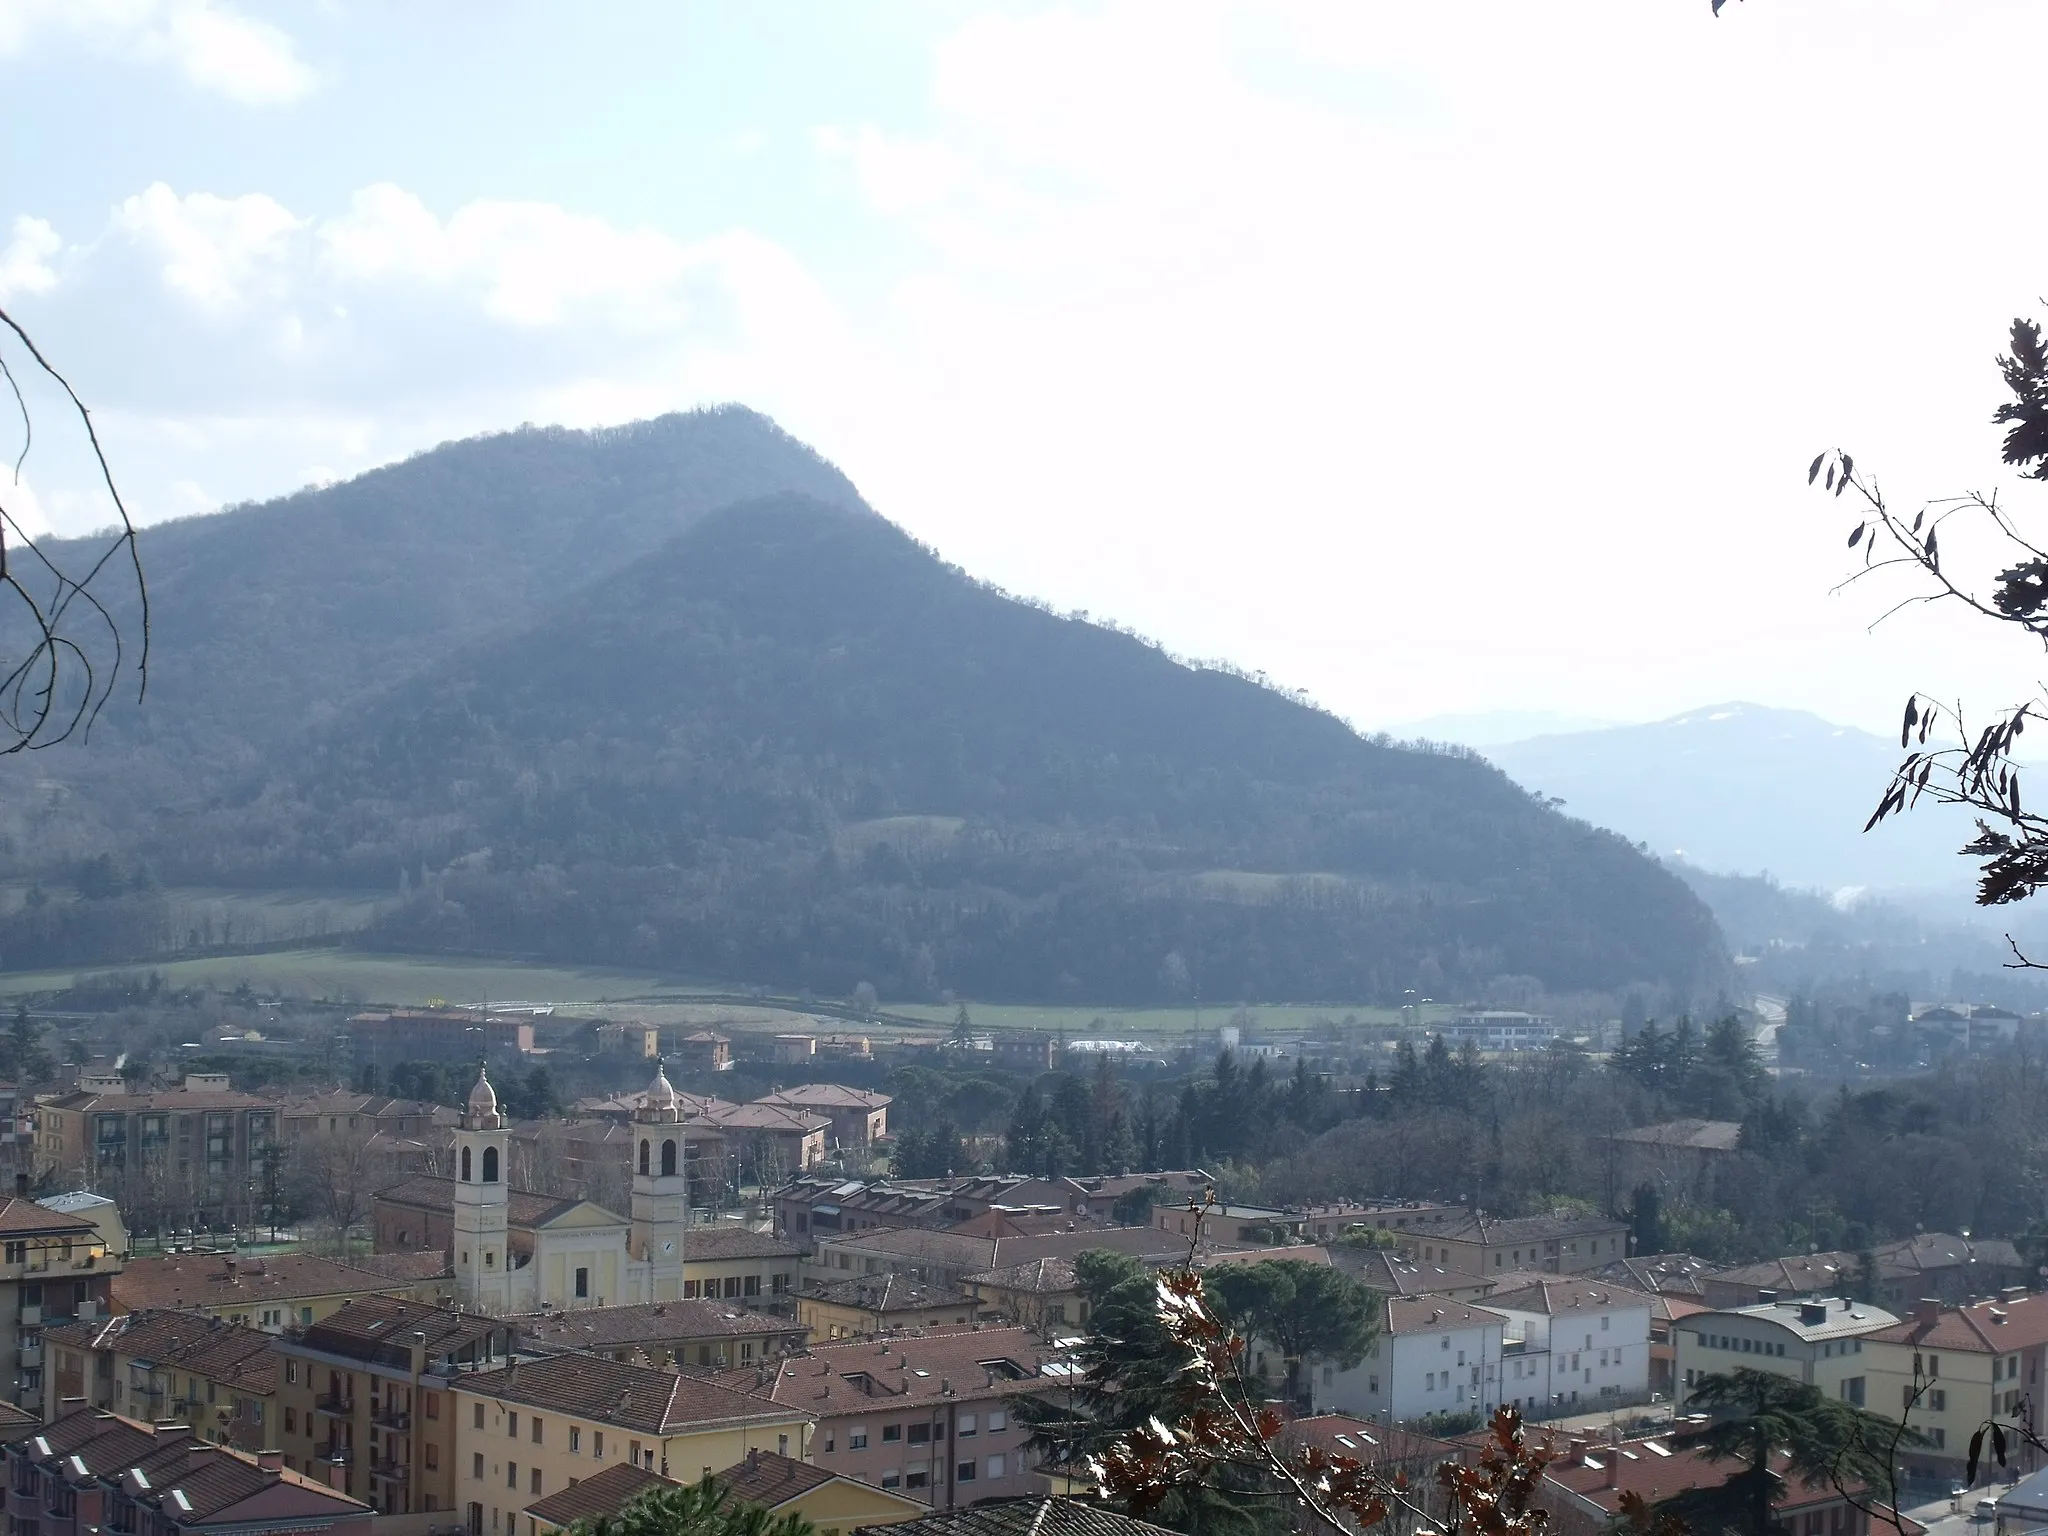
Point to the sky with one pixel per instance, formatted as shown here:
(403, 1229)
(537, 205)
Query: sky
(1448, 358)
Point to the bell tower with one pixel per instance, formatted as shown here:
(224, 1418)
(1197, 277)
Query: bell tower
(661, 1188)
(483, 1281)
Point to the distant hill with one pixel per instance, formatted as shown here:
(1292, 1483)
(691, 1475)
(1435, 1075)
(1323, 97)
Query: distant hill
(1741, 789)
(776, 740)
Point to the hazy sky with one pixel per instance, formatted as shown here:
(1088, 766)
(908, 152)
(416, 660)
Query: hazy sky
(1429, 357)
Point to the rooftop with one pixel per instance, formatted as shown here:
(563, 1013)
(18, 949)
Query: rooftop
(1435, 1314)
(192, 1341)
(630, 1396)
(1556, 1294)
(433, 1192)
(1811, 1320)
(26, 1218)
(220, 1279)
(1366, 1442)
(1037, 1277)
(595, 1498)
(732, 1242)
(960, 1364)
(649, 1323)
(1023, 1517)
(372, 1327)
(770, 1481)
(1984, 1327)
(883, 1294)
(1523, 1229)
(1656, 1469)
(825, 1096)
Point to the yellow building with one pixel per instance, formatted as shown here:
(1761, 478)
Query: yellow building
(730, 1263)
(1947, 1370)
(1820, 1343)
(539, 1427)
(781, 1485)
(868, 1304)
(289, 1290)
(220, 1378)
(1039, 1293)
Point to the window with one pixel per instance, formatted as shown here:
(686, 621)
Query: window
(432, 1405)
(753, 1285)
(891, 1433)
(995, 1466)
(966, 1426)
(857, 1436)
(998, 1421)
(964, 1473)
(575, 1440)
(512, 1426)
(490, 1165)
(1937, 1437)
(582, 1283)
(920, 1433)
(533, 1482)
(536, 1429)
(291, 1421)
(291, 1370)
(597, 1445)
(479, 1416)
(1444, 1343)
(433, 1456)
(512, 1474)
(892, 1479)
(476, 1466)
(917, 1477)
(1937, 1400)
(633, 1452)
(1603, 1324)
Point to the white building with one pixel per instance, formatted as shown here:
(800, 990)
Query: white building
(1573, 1345)
(1500, 1029)
(581, 1255)
(1818, 1341)
(1433, 1355)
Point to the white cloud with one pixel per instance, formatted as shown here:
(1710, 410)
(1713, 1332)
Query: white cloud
(25, 260)
(216, 251)
(896, 174)
(214, 45)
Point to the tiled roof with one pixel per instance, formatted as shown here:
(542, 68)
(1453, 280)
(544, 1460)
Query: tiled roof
(766, 1117)
(1434, 1314)
(1807, 1272)
(1562, 1293)
(174, 1280)
(631, 1396)
(25, 1218)
(369, 1327)
(883, 1294)
(523, 1207)
(1656, 1469)
(407, 1268)
(1666, 1274)
(1291, 1253)
(730, 1242)
(1023, 1517)
(1366, 1442)
(1037, 1277)
(171, 1099)
(826, 1096)
(648, 1323)
(13, 1418)
(192, 1341)
(771, 1481)
(1394, 1274)
(1984, 1327)
(598, 1496)
(953, 1363)
(1523, 1229)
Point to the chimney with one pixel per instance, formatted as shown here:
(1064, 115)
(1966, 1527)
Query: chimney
(1613, 1476)
(1926, 1312)
(753, 1457)
(270, 1461)
(1575, 1453)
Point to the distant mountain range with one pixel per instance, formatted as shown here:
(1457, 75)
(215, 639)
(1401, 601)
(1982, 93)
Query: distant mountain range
(674, 696)
(1741, 789)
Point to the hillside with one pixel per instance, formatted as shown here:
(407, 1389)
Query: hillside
(1747, 790)
(786, 744)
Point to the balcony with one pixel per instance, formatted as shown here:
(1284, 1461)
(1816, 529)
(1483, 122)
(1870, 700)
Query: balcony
(31, 1354)
(336, 1405)
(390, 1418)
(334, 1453)
(390, 1471)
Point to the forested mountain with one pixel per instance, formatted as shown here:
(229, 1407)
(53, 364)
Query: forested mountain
(787, 744)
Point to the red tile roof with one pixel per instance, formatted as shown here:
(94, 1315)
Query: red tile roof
(631, 1396)
(597, 1497)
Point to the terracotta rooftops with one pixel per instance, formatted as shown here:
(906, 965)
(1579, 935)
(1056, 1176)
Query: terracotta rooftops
(630, 1396)
(1366, 1442)
(222, 1279)
(769, 1480)
(192, 1341)
(523, 1207)
(383, 1327)
(1656, 1469)
(884, 1294)
(1038, 1277)
(825, 1096)
(1562, 1293)
(730, 1242)
(1984, 1327)
(1434, 1314)
(25, 1218)
(957, 1363)
(1023, 1517)
(598, 1496)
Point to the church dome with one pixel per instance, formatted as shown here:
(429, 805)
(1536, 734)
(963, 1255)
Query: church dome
(661, 1103)
(483, 1103)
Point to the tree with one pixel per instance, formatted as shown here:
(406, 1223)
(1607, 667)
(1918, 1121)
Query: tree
(333, 1176)
(1646, 1220)
(706, 1508)
(22, 1055)
(1758, 1416)
(1998, 573)
(1307, 1311)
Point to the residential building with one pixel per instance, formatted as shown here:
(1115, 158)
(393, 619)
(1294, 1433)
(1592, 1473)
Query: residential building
(949, 1257)
(814, 1206)
(1025, 1050)
(1678, 1275)
(705, 1334)
(1387, 1449)
(1484, 1245)
(1393, 1273)
(197, 1148)
(535, 1427)
(1681, 1159)
(926, 1416)
(54, 1269)
(1896, 1274)
(219, 1378)
(641, 1040)
(859, 1117)
(1573, 1343)
(1818, 1342)
(705, 1050)
(768, 1142)
(1227, 1223)
(869, 1304)
(389, 1138)
(273, 1293)
(464, 1035)
(92, 1471)
(831, 1501)
(365, 1399)
(1583, 1489)
(588, 1500)
(736, 1264)
(1037, 1293)
(101, 1210)
(1959, 1368)
(794, 1050)
(1433, 1355)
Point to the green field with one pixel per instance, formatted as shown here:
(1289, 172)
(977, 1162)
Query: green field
(1082, 1020)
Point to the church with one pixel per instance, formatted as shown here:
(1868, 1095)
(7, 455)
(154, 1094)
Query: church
(514, 1250)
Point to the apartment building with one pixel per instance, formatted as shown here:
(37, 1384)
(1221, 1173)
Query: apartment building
(704, 1334)
(536, 1427)
(768, 1142)
(858, 1116)
(1038, 1293)
(273, 1293)
(54, 1268)
(1572, 1345)
(947, 1258)
(1393, 1273)
(1583, 1490)
(816, 1206)
(1818, 1342)
(365, 1399)
(91, 1471)
(219, 1378)
(925, 1416)
(866, 1304)
(1433, 1355)
(1948, 1370)
(1557, 1245)
(164, 1155)
(735, 1264)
